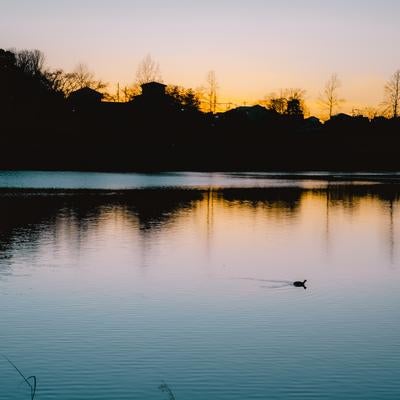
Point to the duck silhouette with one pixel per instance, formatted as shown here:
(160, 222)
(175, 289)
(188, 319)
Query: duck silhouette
(300, 284)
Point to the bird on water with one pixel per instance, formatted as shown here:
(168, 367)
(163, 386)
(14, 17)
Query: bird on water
(300, 284)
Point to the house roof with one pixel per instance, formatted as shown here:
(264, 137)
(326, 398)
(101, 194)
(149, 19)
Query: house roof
(153, 84)
(87, 91)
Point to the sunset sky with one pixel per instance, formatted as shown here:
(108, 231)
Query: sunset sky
(254, 46)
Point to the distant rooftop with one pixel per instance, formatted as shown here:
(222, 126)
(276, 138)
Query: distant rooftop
(87, 91)
(153, 84)
(153, 89)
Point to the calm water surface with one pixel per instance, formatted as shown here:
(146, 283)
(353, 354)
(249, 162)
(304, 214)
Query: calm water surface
(185, 279)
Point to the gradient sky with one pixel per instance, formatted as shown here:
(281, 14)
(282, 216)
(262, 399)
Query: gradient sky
(255, 46)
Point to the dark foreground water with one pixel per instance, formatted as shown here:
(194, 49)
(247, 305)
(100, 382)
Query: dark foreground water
(107, 294)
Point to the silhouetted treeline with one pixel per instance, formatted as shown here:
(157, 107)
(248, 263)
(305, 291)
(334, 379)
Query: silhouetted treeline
(47, 125)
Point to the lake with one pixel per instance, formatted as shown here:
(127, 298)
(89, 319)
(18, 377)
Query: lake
(114, 284)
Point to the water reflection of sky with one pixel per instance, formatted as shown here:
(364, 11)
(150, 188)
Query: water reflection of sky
(105, 295)
(115, 181)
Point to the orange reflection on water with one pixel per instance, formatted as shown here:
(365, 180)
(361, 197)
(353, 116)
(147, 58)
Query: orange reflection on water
(174, 237)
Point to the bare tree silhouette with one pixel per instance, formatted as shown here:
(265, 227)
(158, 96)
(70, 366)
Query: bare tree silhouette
(148, 71)
(367, 111)
(392, 95)
(57, 80)
(211, 92)
(67, 82)
(129, 92)
(288, 101)
(30, 62)
(330, 99)
(83, 77)
(275, 102)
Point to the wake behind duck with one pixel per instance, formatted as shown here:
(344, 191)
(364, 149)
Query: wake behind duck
(279, 283)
